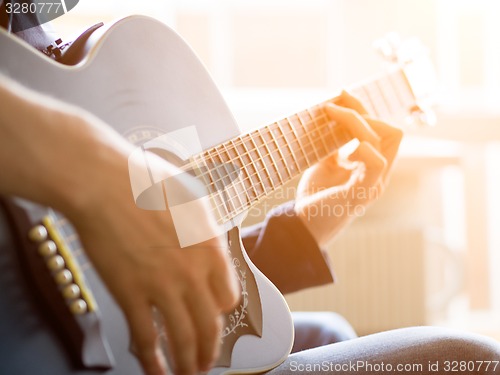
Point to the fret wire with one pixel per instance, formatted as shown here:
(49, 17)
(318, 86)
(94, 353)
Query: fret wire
(226, 182)
(409, 95)
(379, 101)
(308, 134)
(275, 140)
(202, 171)
(201, 165)
(322, 121)
(205, 172)
(258, 165)
(306, 155)
(232, 182)
(261, 160)
(374, 97)
(230, 186)
(208, 154)
(298, 141)
(243, 171)
(324, 133)
(301, 146)
(257, 194)
(319, 117)
(329, 138)
(297, 169)
(396, 91)
(283, 136)
(274, 163)
(389, 94)
(332, 132)
(218, 192)
(403, 90)
(370, 101)
(247, 172)
(211, 171)
(390, 91)
(382, 99)
(306, 137)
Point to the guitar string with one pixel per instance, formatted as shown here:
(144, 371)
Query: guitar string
(312, 143)
(377, 108)
(259, 187)
(60, 223)
(390, 79)
(241, 141)
(369, 96)
(230, 212)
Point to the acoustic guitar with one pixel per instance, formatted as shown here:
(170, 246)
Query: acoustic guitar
(140, 77)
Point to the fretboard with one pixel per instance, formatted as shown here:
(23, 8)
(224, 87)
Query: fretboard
(243, 170)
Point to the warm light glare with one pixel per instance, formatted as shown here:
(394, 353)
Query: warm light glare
(275, 57)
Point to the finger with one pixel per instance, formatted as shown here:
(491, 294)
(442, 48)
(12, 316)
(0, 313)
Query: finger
(205, 315)
(391, 140)
(223, 282)
(354, 123)
(181, 334)
(144, 339)
(348, 100)
(375, 165)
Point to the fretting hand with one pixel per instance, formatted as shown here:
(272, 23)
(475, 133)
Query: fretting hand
(334, 191)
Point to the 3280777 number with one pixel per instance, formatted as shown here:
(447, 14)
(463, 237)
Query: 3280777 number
(470, 366)
(32, 8)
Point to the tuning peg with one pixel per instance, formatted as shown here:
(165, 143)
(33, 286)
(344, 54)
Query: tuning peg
(394, 50)
(422, 115)
(388, 46)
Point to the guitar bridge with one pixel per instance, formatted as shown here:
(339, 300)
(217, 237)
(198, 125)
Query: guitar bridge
(57, 280)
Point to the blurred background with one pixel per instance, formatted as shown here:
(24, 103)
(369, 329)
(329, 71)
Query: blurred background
(429, 250)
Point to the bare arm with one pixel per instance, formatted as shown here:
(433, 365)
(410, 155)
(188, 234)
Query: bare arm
(78, 165)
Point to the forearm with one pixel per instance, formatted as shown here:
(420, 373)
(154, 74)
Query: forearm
(64, 157)
(46, 146)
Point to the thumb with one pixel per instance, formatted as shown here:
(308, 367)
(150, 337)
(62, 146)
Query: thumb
(374, 164)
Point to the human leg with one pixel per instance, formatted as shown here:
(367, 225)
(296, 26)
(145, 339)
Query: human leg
(314, 329)
(418, 350)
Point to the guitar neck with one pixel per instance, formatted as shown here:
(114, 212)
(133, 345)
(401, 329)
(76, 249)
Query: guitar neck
(242, 171)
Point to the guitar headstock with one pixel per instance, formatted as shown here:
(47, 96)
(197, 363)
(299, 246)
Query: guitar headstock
(412, 57)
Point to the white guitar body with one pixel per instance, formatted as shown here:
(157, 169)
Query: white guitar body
(140, 77)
